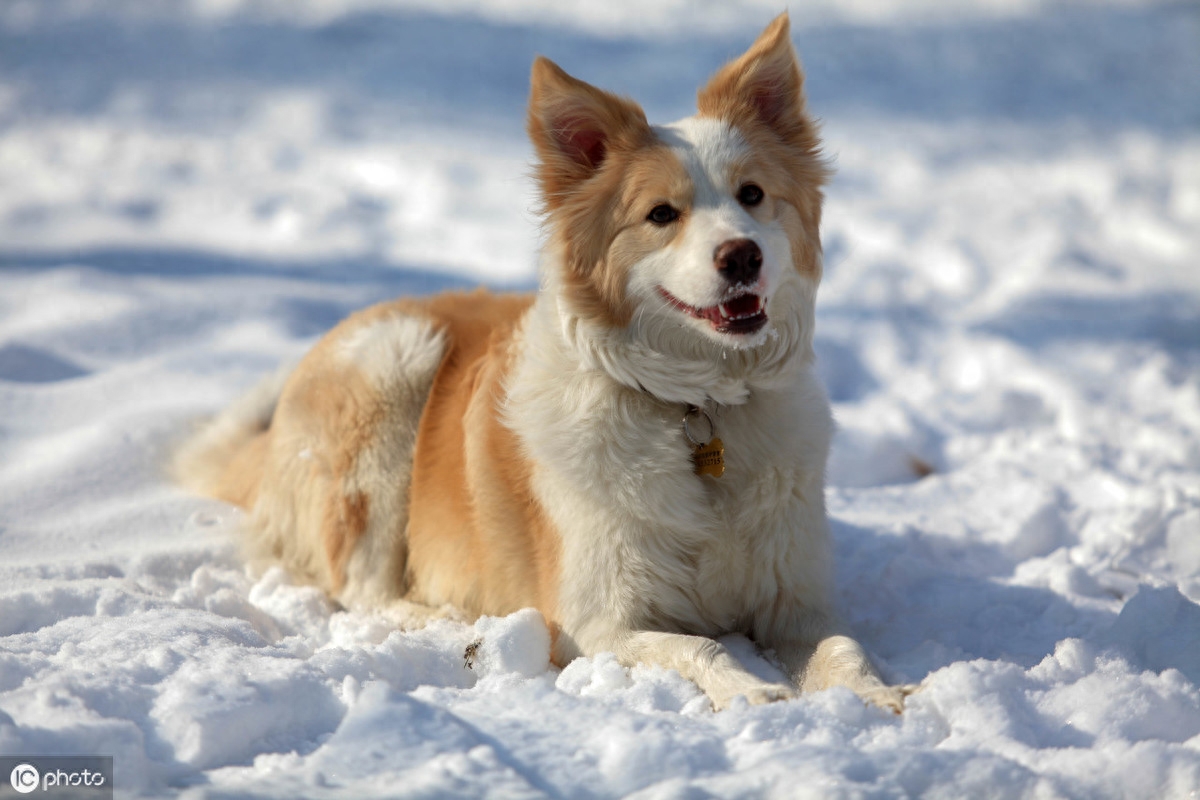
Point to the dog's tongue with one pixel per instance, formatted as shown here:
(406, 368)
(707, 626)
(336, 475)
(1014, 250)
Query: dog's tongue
(741, 306)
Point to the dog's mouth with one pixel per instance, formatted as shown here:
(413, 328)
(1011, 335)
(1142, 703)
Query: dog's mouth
(742, 314)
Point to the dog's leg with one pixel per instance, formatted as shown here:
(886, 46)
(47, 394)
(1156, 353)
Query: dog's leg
(705, 662)
(840, 661)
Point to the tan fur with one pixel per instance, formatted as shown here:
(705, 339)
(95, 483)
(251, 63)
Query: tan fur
(225, 458)
(239, 484)
(298, 477)
(476, 536)
(565, 120)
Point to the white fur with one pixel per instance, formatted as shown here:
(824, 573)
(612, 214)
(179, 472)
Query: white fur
(392, 351)
(400, 356)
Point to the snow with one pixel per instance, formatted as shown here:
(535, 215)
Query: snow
(191, 192)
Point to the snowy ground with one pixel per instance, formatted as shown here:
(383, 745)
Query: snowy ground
(191, 192)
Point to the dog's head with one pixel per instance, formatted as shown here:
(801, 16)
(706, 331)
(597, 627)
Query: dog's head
(697, 225)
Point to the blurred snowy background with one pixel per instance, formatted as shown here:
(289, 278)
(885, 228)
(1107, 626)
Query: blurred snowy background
(191, 192)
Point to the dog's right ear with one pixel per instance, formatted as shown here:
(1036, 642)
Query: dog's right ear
(574, 127)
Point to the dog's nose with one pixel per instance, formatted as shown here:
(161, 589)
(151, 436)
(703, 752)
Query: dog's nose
(739, 261)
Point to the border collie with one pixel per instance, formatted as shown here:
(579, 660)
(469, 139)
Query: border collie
(637, 451)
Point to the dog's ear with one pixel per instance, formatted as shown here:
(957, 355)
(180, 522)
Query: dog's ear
(765, 85)
(574, 126)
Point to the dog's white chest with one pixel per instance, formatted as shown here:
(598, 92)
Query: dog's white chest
(768, 512)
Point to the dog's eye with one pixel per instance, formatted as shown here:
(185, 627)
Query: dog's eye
(662, 214)
(750, 195)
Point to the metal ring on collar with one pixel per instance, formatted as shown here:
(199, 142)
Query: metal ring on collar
(693, 412)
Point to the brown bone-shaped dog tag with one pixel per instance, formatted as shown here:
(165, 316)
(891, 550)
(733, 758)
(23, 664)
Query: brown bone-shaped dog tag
(709, 459)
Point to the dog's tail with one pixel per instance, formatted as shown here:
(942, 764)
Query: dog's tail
(226, 456)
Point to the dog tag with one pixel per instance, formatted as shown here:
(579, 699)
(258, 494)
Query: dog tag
(709, 459)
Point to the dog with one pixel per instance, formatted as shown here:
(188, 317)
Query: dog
(637, 450)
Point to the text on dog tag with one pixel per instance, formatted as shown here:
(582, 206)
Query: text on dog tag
(709, 459)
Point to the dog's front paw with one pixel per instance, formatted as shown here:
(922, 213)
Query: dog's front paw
(760, 695)
(890, 698)
(771, 694)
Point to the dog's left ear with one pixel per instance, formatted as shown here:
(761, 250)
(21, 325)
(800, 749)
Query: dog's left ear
(765, 86)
